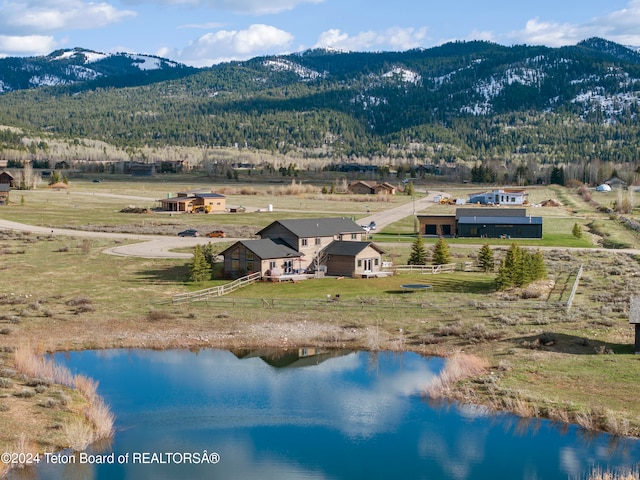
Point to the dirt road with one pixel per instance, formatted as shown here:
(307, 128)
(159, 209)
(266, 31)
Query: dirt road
(159, 246)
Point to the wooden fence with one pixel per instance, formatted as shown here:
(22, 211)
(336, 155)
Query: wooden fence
(218, 291)
(427, 269)
(575, 288)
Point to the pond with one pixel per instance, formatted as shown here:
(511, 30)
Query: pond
(311, 414)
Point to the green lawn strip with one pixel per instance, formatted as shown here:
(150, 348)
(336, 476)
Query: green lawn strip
(588, 381)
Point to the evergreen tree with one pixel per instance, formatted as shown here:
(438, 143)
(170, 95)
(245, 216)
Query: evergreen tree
(538, 268)
(418, 254)
(520, 268)
(441, 255)
(507, 272)
(200, 270)
(410, 190)
(577, 230)
(485, 258)
(557, 176)
(54, 178)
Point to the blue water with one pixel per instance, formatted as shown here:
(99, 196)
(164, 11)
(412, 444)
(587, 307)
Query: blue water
(344, 415)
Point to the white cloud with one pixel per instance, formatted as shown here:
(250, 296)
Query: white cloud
(255, 7)
(30, 44)
(620, 26)
(225, 45)
(38, 16)
(391, 39)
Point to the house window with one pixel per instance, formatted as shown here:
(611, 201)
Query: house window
(249, 266)
(473, 231)
(376, 262)
(249, 255)
(354, 236)
(235, 265)
(235, 255)
(304, 242)
(272, 264)
(359, 263)
(318, 241)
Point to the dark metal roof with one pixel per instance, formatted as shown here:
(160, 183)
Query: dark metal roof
(209, 195)
(349, 249)
(500, 220)
(267, 248)
(490, 212)
(317, 227)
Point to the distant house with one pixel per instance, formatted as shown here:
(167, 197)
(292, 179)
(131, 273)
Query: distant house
(507, 196)
(361, 187)
(483, 222)
(193, 202)
(616, 183)
(334, 245)
(143, 170)
(4, 193)
(7, 179)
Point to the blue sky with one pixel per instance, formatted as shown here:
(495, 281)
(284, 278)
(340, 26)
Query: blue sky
(204, 32)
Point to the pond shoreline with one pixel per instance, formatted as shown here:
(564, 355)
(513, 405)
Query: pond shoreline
(480, 389)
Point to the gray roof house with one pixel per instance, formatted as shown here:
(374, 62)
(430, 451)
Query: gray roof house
(296, 245)
(248, 256)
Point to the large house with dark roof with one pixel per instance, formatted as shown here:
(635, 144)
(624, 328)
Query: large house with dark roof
(336, 246)
(483, 222)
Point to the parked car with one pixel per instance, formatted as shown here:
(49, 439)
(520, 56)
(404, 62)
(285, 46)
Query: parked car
(372, 226)
(366, 228)
(216, 234)
(188, 233)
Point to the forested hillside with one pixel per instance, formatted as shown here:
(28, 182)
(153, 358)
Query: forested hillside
(460, 101)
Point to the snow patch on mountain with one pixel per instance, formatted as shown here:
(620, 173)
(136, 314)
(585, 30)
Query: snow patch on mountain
(493, 87)
(89, 56)
(46, 81)
(368, 101)
(404, 75)
(281, 65)
(145, 62)
(439, 81)
(81, 73)
(611, 105)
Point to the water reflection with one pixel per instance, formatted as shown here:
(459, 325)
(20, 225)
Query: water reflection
(315, 414)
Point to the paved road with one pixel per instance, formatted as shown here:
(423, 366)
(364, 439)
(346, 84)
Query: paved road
(159, 246)
(395, 214)
(152, 246)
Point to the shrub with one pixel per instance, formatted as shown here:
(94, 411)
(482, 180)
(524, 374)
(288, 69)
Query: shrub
(158, 315)
(79, 435)
(459, 366)
(25, 393)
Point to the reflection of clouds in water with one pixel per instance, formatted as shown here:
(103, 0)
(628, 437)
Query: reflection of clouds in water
(569, 462)
(471, 412)
(455, 460)
(334, 393)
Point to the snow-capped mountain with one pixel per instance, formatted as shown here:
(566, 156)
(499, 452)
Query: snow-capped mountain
(74, 66)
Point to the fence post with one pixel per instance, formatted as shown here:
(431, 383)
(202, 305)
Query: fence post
(574, 289)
